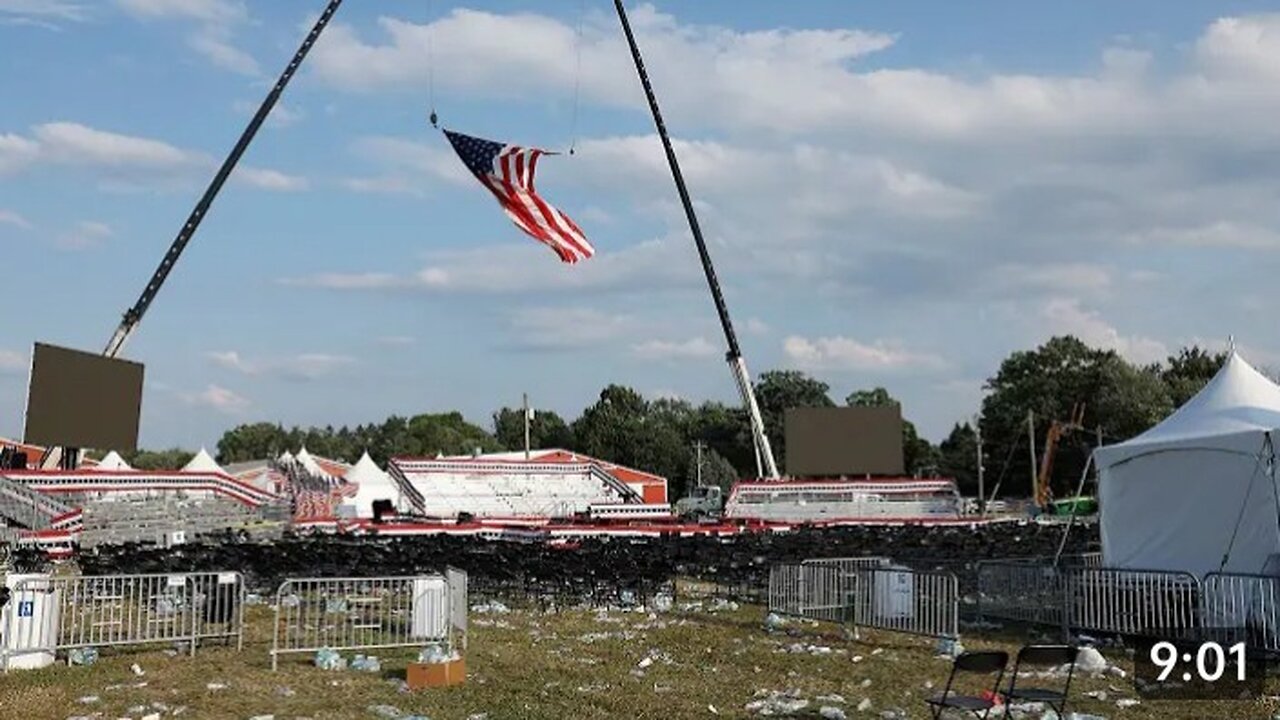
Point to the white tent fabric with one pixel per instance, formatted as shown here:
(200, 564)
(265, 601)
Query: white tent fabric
(202, 462)
(112, 462)
(372, 483)
(1196, 487)
(309, 463)
(285, 457)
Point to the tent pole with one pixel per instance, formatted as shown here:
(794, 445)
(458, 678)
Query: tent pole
(1074, 505)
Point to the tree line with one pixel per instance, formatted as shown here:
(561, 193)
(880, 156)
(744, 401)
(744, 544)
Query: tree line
(1121, 399)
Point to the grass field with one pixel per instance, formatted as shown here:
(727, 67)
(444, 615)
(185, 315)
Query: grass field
(565, 666)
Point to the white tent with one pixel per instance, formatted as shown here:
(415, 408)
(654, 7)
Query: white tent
(112, 462)
(309, 463)
(203, 463)
(372, 483)
(1200, 486)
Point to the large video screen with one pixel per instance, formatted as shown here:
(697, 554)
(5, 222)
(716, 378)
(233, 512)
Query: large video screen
(844, 441)
(83, 400)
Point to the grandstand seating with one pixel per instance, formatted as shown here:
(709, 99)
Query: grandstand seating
(29, 508)
(445, 488)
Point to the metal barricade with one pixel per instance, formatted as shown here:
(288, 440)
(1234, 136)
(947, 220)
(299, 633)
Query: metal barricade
(53, 614)
(1244, 602)
(1130, 602)
(816, 592)
(849, 564)
(457, 582)
(366, 613)
(1020, 591)
(908, 601)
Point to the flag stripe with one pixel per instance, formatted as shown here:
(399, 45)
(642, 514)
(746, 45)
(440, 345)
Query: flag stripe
(508, 172)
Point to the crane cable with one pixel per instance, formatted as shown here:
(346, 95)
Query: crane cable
(431, 65)
(577, 78)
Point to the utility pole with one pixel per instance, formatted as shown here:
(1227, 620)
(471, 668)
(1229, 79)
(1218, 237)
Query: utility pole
(697, 446)
(982, 487)
(1031, 437)
(526, 426)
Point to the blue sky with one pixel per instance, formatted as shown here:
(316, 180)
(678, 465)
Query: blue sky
(895, 193)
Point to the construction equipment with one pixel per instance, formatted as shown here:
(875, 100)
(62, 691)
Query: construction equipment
(1057, 430)
(765, 464)
(59, 457)
(700, 503)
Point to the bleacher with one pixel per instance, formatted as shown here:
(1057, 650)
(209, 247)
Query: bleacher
(444, 488)
(157, 520)
(29, 508)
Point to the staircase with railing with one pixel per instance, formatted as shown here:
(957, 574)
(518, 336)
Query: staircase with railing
(407, 490)
(30, 508)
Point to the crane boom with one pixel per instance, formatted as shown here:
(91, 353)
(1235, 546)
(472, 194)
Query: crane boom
(133, 315)
(737, 365)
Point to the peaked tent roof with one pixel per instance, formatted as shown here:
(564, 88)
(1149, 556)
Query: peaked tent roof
(285, 457)
(366, 471)
(1238, 400)
(112, 461)
(305, 460)
(202, 462)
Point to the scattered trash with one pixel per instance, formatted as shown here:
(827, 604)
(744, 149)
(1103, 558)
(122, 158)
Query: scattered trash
(89, 699)
(832, 713)
(290, 601)
(720, 604)
(82, 656)
(390, 712)
(253, 599)
(865, 705)
(156, 716)
(216, 686)
(285, 691)
(778, 703)
(713, 709)
(493, 607)
(1090, 660)
(1124, 703)
(327, 659)
(1099, 695)
(255, 717)
(435, 654)
(831, 699)
(360, 663)
(663, 603)
(137, 669)
(774, 621)
(947, 647)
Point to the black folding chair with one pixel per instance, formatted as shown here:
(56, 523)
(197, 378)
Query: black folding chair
(1042, 656)
(974, 663)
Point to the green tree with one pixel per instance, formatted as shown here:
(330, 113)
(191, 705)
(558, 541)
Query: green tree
(919, 456)
(1186, 373)
(958, 458)
(447, 433)
(546, 430)
(171, 459)
(253, 442)
(1121, 399)
(780, 390)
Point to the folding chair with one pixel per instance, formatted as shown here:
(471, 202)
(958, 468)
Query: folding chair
(1040, 656)
(975, 663)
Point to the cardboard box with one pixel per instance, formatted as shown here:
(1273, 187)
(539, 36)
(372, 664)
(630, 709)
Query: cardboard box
(430, 675)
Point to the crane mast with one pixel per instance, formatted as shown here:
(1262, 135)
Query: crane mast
(67, 456)
(134, 314)
(765, 464)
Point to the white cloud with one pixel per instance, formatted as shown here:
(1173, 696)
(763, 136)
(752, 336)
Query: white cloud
(1242, 47)
(50, 9)
(842, 353)
(13, 363)
(209, 11)
(16, 152)
(218, 398)
(282, 115)
(697, 347)
(756, 326)
(1065, 316)
(216, 20)
(76, 144)
(567, 328)
(271, 179)
(1218, 234)
(214, 46)
(1071, 276)
(305, 366)
(86, 234)
(12, 218)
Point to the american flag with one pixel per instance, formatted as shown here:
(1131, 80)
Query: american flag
(507, 170)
